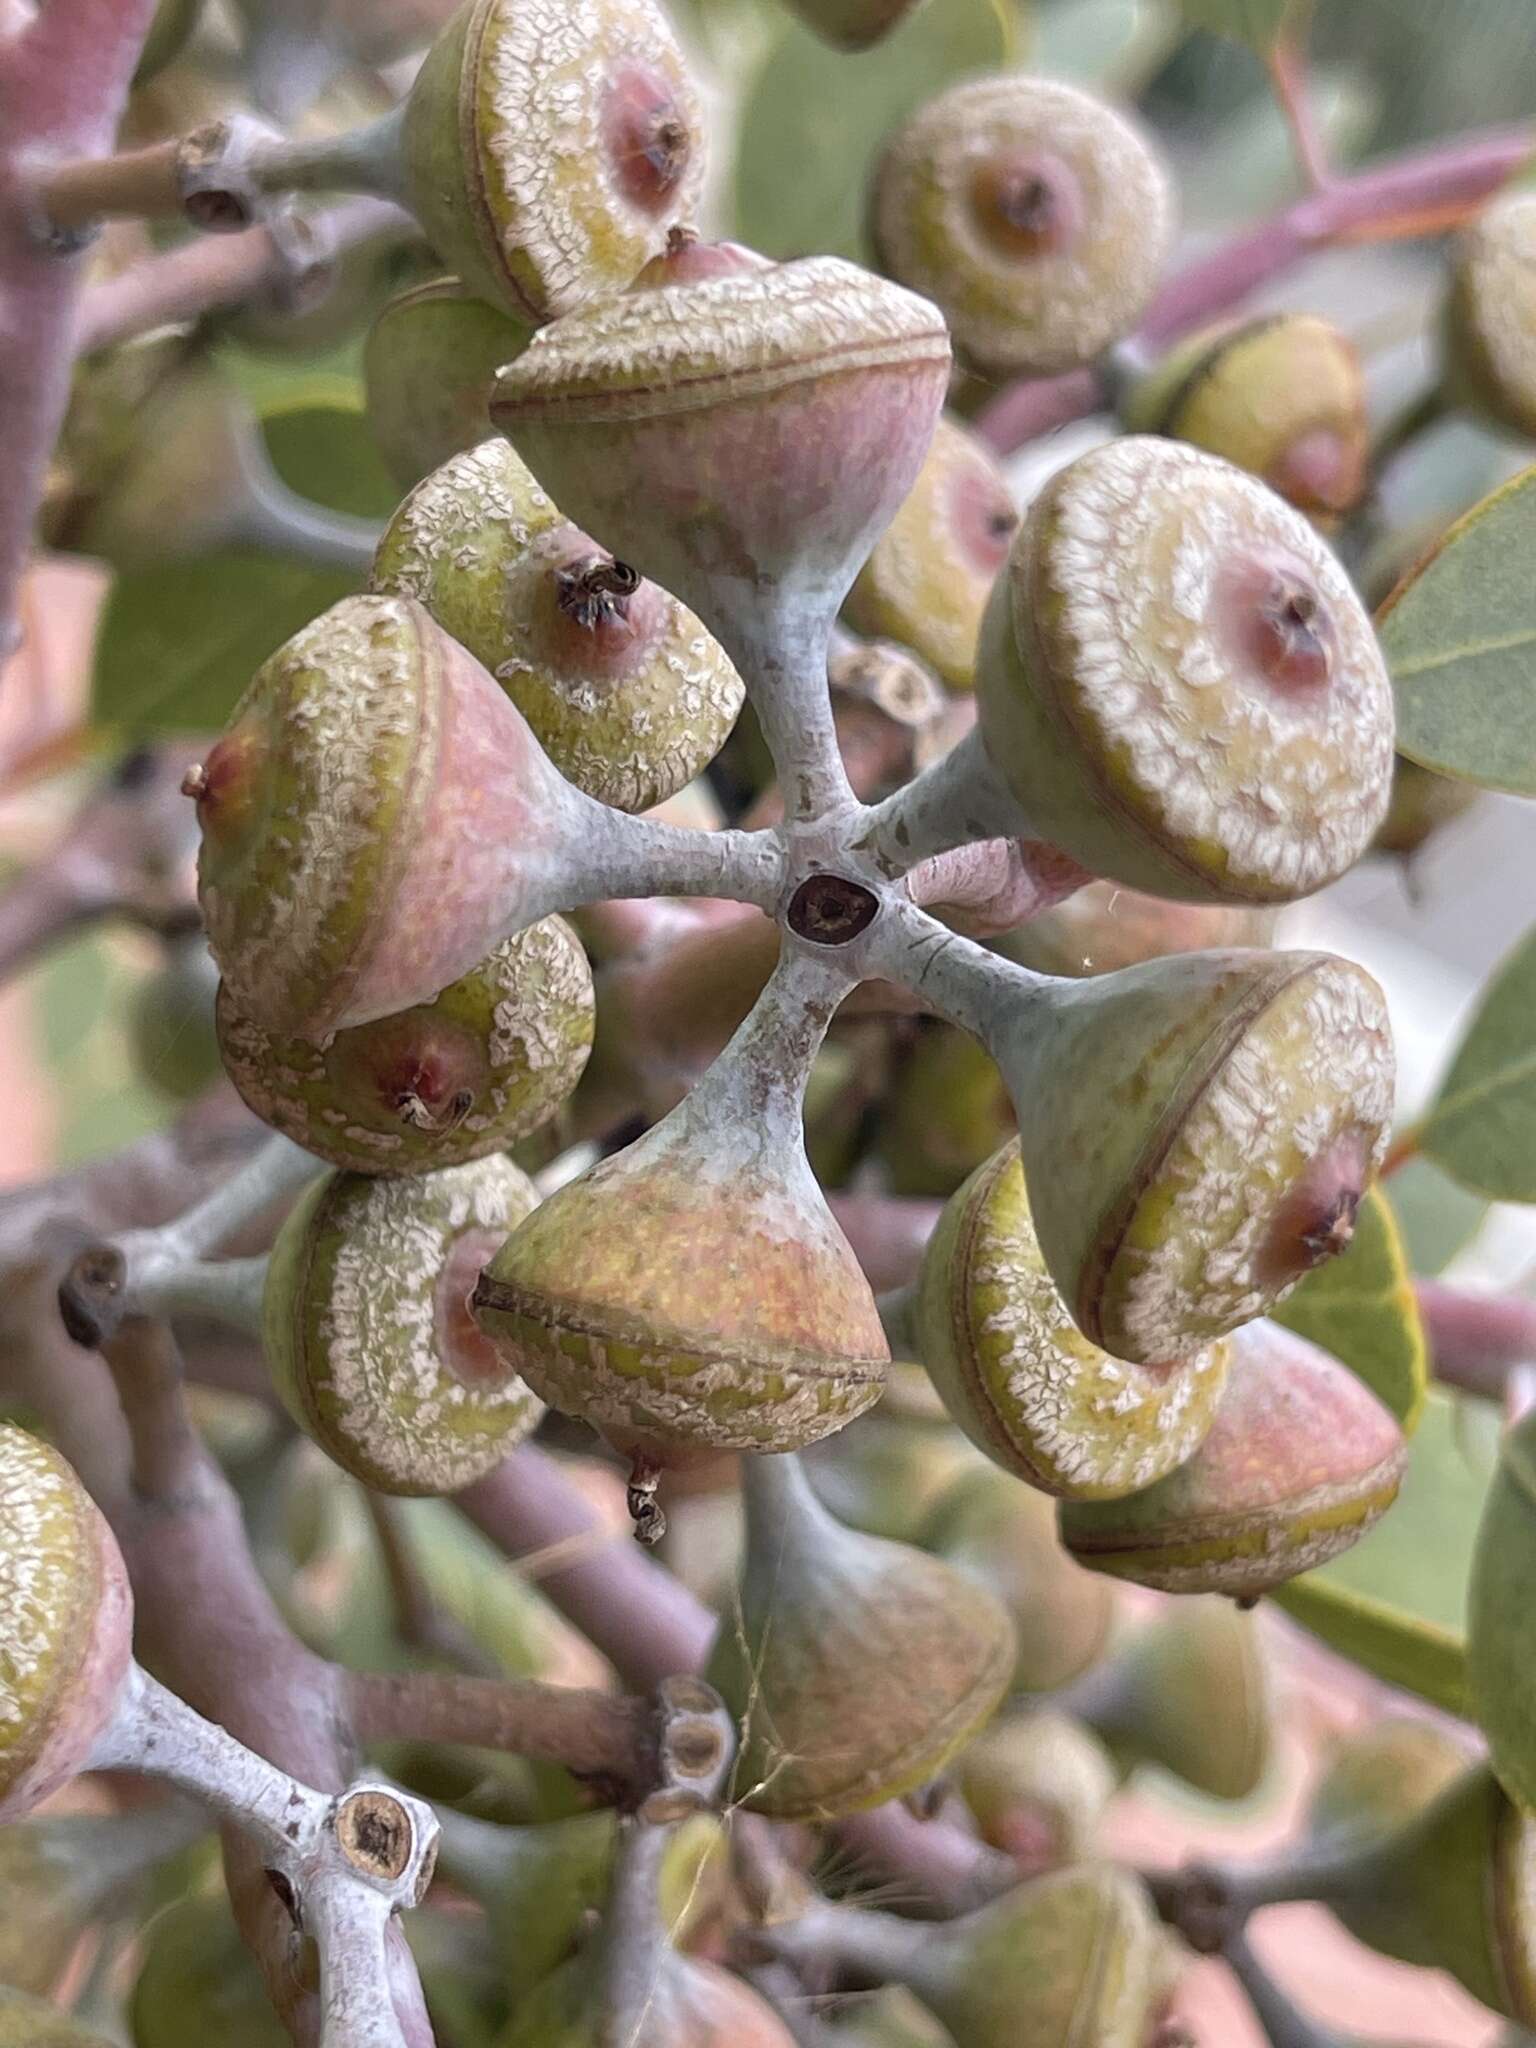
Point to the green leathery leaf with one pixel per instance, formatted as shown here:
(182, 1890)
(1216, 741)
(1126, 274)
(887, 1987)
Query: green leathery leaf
(1459, 634)
(814, 121)
(1109, 46)
(1396, 1603)
(1259, 23)
(1436, 1216)
(1362, 1308)
(1482, 1125)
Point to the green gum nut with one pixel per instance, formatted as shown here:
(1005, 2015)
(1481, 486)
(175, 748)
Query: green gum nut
(1381, 1776)
(198, 1981)
(856, 1667)
(28, 2023)
(1038, 218)
(1282, 396)
(66, 1623)
(170, 1024)
(690, 2004)
(1300, 1461)
(429, 365)
(368, 1331)
(1037, 1786)
(550, 145)
(1501, 1630)
(927, 581)
(1004, 1536)
(626, 691)
(1197, 1134)
(947, 1112)
(852, 24)
(884, 1472)
(486, 1062)
(1490, 314)
(1190, 1693)
(1020, 1378)
(1179, 683)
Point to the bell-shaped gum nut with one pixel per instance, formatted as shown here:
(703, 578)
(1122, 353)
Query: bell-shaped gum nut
(927, 582)
(883, 1473)
(627, 693)
(1038, 217)
(1499, 1614)
(29, 2023)
(759, 429)
(855, 1667)
(1301, 1460)
(690, 2004)
(66, 1623)
(550, 145)
(429, 365)
(1104, 927)
(1490, 316)
(1282, 396)
(1191, 1694)
(374, 819)
(946, 1113)
(486, 1063)
(1179, 683)
(1020, 1378)
(1004, 1535)
(1383, 1774)
(852, 24)
(368, 1330)
(1197, 1133)
(1037, 1786)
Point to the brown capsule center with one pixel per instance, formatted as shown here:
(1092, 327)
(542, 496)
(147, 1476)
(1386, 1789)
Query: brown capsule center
(1316, 1222)
(1274, 618)
(586, 618)
(593, 593)
(1027, 203)
(829, 910)
(648, 138)
(418, 1068)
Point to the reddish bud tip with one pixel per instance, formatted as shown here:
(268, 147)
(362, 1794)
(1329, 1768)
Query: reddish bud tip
(984, 519)
(1321, 471)
(648, 138)
(1027, 202)
(225, 786)
(1273, 614)
(687, 260)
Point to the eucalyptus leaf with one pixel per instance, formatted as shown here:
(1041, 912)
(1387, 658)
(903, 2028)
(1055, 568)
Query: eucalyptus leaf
(1259, 23)
(1460, 638)
(1437, 1218)
(1362, 1308)
(1482, 1125)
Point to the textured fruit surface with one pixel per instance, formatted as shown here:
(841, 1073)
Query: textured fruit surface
(1190, 1693)
(550, 145)
(927, 581)
(628, 694)
(491, 1059)
(1500, 1625)
(693, 2004)
(1035, 215)
(1491, 313)
(1180, 684)
(1104, 927)
(1020, 1378)
(66, 1619)
(429, 363)
(1037, 1786)
(856, 1667)
(368, 1331)
(1298, 1464)
(1232, 1109)
(28, 2023)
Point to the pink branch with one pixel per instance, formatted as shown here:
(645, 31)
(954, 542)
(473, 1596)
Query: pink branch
(1418, 193)
(1476, 1340)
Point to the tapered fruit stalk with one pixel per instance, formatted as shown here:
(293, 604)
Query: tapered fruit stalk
(429, 364)
(1037, 1786)
(1104, 927)
(1179, 683)
(927, 581)
(66, 1623)
(549, 147)
(1499, 1616)
(368, 1332)
(626, 691)
(1282, 396)
(491, 1059)
(743, 440)
(856, 1667)
(1301, 1460)
(852, 24)
(1004, 1535)
(1038, 217)
(1233, 1108)
(374, 818)
(693, 1293)
(28, 2023)
(1189, 1693)
(1491, 313)
(1020, 1378)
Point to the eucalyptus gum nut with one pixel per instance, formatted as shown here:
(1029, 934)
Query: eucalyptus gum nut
(759, 428)
(927, 581)
(856, 1668)
(1191, 1694)
(1018, 1376)
(1004, 1536)
(1500, 1627)
(1233, 1109)
(170, 1023)
(1380, 1776)
(884, 1472)
(368, 1332)
(1423, 804)
(429, 365)
(487, 1061)
(947, 1112)
(851, 24)
(66, 1623)
(1037, 1786)
(1179, 683)
(692, 2004)
(1300, 1461)
(549, 145)
(1038, 217)
(1103, 927)
(371, 818)
(625, 690)
(198, 1981)
(28, 2023)
(1282, 396)
(1490, 314)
